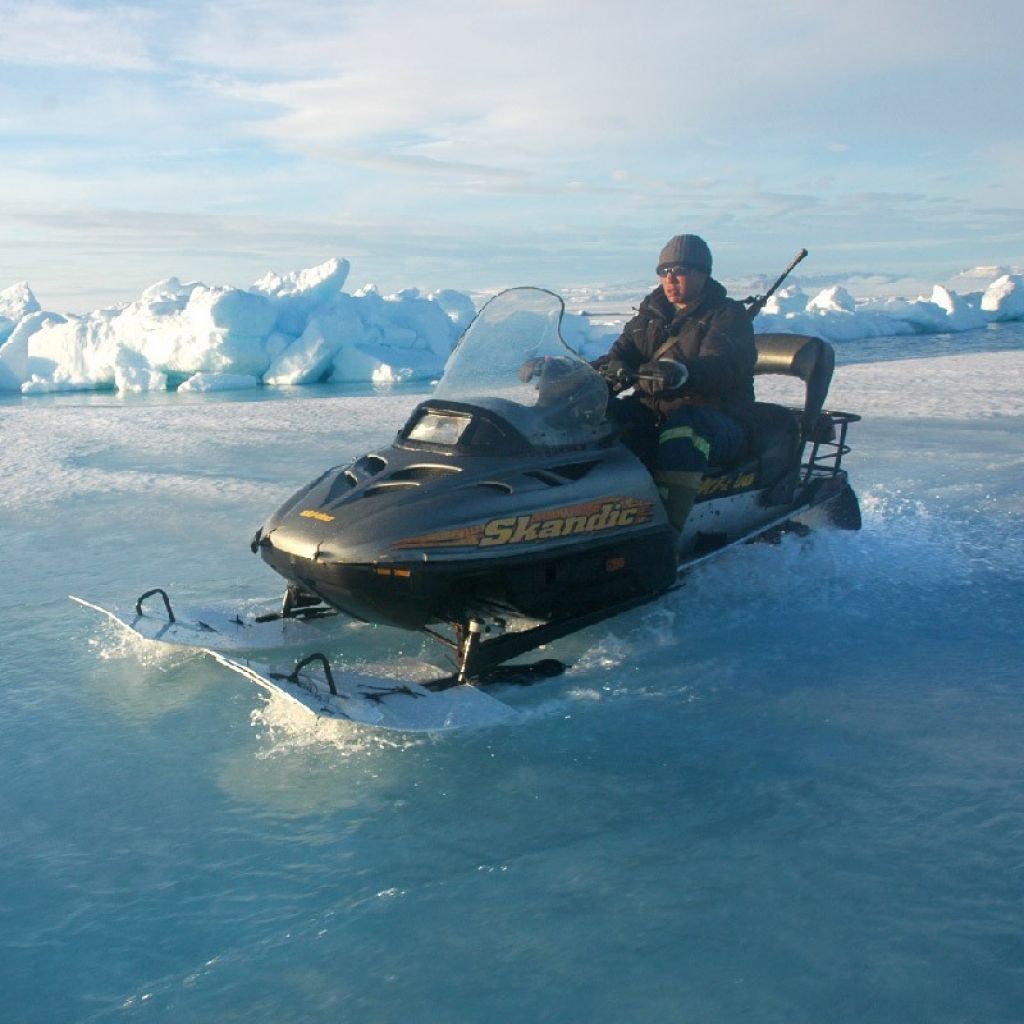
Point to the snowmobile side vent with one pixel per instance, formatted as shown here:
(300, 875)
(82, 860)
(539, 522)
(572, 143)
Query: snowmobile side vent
(425, 471)
(546, 476)
(384, 486)
(555, 476)
(574, 470)
(342, 484)
(496, 485)
(367, 466)
(371, 464)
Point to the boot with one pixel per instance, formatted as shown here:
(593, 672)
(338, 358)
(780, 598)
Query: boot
(678, 491)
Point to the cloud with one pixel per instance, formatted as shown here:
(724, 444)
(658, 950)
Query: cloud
(518, 80)
(525, 79)
(567, 136)
(106, 37)
(419, 165)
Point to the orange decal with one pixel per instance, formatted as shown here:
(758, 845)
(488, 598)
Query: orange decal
(589, 517)
(463, 537)
(727, 484)
(312, 513)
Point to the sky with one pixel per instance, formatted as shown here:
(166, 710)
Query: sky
(473, 145)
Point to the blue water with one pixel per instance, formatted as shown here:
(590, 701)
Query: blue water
(994, 338)
(791, 791)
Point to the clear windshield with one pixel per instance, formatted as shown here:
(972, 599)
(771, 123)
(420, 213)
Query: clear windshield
(512, 359)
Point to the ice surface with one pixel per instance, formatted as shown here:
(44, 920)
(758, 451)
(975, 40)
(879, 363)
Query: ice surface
(788, 791)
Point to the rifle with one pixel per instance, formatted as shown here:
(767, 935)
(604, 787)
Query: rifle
(755, 303)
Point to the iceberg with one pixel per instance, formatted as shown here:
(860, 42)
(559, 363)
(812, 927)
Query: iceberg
(298, 327)
(1004, 298)
(303, 327)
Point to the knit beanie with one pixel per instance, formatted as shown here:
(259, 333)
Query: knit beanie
(689, 250)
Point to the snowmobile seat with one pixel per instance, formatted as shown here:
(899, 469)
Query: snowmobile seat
(775, 439)
(779, 433)
(799, 355)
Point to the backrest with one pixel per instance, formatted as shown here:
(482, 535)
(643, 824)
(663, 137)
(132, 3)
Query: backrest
(799, 355)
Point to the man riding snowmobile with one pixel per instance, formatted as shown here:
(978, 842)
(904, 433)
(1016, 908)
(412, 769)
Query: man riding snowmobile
(690, 353)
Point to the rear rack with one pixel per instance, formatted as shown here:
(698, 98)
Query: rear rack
(828, 444)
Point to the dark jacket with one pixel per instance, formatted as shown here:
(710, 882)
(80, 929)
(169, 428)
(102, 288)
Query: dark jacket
(715, 339)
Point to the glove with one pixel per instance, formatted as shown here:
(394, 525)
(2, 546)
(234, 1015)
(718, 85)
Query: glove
(559, 379)
(531, 368)
(616, 374)
(664, 375)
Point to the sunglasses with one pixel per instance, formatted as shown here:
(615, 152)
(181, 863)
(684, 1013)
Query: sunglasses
(678, 270)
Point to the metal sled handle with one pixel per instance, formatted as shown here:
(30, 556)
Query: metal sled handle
(294, 677)
(150, 593)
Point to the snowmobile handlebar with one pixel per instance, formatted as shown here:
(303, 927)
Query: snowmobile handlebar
(664, 374)
(615, 373)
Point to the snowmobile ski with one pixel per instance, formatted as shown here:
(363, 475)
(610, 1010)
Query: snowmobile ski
(383, 702)
(252, 626)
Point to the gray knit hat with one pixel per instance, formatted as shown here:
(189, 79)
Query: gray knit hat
(689, 250)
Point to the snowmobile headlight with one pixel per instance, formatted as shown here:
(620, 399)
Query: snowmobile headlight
(439, 428)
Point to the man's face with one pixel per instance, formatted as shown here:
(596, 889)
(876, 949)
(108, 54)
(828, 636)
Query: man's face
(682, 285)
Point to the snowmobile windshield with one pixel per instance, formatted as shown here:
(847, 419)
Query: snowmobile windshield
(512, 361)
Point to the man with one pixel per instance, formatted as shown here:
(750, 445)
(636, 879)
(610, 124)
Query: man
(690, 352)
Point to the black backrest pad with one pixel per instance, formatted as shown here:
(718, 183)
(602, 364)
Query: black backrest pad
(798, 355)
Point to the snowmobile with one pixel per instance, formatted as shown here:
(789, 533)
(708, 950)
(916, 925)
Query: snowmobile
(508, 512)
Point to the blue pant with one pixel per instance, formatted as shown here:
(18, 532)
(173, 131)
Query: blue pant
(689, 440)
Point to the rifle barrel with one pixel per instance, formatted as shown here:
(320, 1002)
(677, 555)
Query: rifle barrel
(762, 300)
(782, 277)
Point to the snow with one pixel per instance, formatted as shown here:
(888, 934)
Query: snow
(982, 385)
(302, 327)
